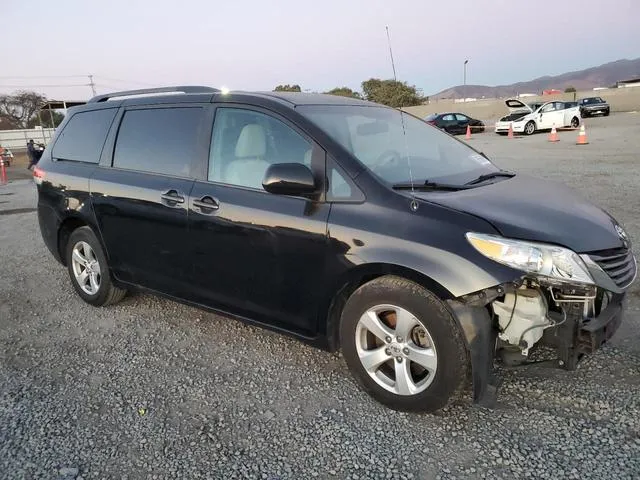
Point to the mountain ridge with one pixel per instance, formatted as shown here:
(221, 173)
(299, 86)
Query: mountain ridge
(604, 75)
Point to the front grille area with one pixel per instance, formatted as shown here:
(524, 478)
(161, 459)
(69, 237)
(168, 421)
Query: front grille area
(618, 263)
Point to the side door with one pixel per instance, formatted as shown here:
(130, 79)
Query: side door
(449, 123)
(547, 116)
(141, 193)
(256, 254)
(462, 123)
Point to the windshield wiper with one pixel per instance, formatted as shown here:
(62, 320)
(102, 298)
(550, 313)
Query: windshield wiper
(428, 185)
(488, 176)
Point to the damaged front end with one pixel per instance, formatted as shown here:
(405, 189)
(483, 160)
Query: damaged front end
(568, 302)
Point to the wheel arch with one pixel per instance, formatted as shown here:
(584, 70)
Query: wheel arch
(67, 227)
(339, 293)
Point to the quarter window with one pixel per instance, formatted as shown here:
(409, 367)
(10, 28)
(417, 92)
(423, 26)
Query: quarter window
(245, 143)
(159, 140)
(83, 136)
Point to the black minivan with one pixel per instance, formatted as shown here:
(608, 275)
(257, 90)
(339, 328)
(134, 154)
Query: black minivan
(345, 223)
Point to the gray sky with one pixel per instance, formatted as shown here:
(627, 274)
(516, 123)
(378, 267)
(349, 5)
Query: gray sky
(319, 44)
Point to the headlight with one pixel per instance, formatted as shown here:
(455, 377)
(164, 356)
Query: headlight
(537, 258)
(522, 119)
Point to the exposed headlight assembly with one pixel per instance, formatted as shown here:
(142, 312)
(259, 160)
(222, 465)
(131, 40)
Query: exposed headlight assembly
(537, 258)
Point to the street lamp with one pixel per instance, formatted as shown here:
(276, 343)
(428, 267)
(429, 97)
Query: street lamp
(464, 88)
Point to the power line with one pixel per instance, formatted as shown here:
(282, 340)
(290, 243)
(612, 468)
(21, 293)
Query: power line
(45, 86)
(130, 82)
(26, 77)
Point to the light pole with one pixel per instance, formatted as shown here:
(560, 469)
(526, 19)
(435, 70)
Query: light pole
(464, 88)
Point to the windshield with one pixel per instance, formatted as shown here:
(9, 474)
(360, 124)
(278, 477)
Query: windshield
(592, 100)
(375, 136)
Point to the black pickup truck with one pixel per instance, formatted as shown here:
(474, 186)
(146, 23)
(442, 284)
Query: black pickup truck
(593, 106)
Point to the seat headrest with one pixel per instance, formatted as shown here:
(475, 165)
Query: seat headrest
(252, 142)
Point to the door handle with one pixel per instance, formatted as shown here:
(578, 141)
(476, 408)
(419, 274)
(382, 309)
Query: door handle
(172, 198)
(207, 205)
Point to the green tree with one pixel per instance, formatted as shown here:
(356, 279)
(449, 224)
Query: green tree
(391, 93)
(344, 92)
(570, 89)
(18, 109)
(287, 88)
(45, 119)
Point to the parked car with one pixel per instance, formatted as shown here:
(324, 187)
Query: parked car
(345, 223)
(530, 118)
(455, 123)
(594, 106)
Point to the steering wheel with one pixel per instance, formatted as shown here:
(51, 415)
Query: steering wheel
(388, 157)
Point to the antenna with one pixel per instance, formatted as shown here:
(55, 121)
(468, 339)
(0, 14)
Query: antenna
(393, 65)
(414, 203)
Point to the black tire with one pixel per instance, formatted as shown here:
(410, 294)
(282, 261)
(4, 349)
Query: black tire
(528, 129)
(606, 113)
(451, 375)
(107, 293)
(575, 122)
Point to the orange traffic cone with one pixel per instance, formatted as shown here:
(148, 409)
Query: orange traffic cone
(3, 172)
(582, 136)
(553, 136)
(468, 135)
(510, 134)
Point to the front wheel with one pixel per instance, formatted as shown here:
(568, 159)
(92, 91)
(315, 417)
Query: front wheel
(403, 346)
(606, 113)
(88, 269)
(575, 122)
(530, 128)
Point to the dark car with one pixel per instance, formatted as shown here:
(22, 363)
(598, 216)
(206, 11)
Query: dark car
(455, 123)
(342, 222)
(593, 106)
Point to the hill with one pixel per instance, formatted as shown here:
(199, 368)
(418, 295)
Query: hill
(604, 75)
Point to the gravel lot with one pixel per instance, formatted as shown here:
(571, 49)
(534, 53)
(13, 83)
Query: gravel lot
(154, 389)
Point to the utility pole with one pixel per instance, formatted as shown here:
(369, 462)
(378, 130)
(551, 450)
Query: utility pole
(464, 88)
(92, 85)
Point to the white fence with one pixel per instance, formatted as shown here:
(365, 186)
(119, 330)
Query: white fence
(17, 139)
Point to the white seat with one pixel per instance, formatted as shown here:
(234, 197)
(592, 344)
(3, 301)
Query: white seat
(249, 167)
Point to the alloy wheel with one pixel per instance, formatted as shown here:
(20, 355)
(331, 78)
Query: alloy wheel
(86, 268)
(396, 350)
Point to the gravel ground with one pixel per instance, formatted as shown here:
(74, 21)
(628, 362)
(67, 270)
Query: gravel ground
(153, 389)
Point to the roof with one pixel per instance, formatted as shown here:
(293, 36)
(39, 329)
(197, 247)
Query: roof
(631, 80)
(303, 98)
(60, 104)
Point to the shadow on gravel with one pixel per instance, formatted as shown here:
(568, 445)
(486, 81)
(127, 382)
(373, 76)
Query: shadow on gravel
(16, 211)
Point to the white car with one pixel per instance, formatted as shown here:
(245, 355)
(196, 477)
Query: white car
(528, 119)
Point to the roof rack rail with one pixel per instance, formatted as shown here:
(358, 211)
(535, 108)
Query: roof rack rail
(145, 91)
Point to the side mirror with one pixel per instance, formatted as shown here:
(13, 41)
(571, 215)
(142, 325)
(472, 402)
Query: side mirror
(289, 179)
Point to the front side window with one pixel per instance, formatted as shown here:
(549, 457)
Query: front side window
(549, 107)
(246, 142)
(159, 140)
(83, 136)
(392, 144)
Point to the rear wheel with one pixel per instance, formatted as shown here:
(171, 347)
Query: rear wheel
(530, 127)
(575, 122)
(403, 346)
(88, 269)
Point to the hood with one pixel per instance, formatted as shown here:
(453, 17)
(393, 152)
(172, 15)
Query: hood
(528, 208)
(515, 105)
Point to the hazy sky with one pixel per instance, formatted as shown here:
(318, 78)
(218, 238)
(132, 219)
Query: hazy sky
(320, 44)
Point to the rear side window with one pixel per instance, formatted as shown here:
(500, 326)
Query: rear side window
(159, 140)
(83, 136)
